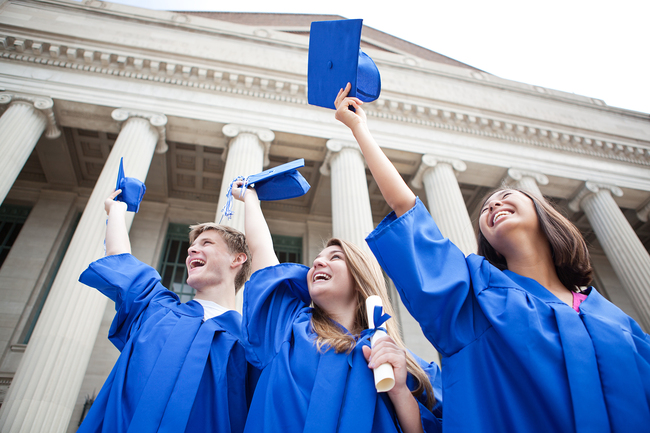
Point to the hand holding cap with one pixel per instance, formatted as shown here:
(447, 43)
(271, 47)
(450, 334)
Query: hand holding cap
(335, 59)
(132, 189)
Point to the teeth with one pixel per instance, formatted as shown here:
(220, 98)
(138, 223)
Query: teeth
(196, 262)
(499, 215)
(321, 277)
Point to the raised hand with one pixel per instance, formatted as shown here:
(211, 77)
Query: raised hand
(343, 114)
(238, 191)
(110, 202)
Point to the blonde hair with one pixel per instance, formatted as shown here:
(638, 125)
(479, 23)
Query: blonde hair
(236, 242)
(368, 280)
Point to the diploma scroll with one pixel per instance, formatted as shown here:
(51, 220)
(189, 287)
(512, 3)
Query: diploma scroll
(384, 377)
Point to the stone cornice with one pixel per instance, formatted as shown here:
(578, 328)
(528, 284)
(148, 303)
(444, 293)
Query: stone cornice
(282, 90)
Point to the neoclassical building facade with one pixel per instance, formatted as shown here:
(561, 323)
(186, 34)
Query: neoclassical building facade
(191, 100)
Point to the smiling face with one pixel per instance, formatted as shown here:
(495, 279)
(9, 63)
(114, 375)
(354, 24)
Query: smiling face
(208, 261)
(330, 283)
(505, 214)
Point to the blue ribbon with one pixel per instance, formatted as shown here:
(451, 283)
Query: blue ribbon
(378, 318)
(227, 208)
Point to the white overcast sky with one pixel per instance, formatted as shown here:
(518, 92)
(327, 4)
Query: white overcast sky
(593, 48)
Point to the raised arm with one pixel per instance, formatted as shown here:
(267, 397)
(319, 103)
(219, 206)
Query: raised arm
(395, 191)
(117, 236)
(258, 235)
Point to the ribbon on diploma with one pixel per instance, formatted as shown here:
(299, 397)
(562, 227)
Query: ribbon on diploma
(379, 318)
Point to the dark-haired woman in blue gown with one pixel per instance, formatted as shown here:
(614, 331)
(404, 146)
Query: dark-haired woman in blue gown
(523, 349)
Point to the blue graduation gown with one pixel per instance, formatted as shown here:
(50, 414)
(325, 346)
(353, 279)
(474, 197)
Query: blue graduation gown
(175, 372)
(301, 389)
(515, 357)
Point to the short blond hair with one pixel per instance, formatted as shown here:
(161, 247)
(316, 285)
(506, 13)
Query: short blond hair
(236, 242)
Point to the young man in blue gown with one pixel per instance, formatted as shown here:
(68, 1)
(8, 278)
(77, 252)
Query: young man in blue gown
(182, 367)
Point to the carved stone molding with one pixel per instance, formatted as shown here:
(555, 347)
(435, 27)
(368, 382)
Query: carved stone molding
(203, 77)
(592, 188)
(518, 174)
(430, 161)
(333, 147)
(157, 120)
(266, 136)
(41, 103)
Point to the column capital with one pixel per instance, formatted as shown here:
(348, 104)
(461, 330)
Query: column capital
(265, 135)
(233, 130)
(42, 103)
(430, 161)
(643, 212)
(333, 147)
(518, 174)
(157, 121)
(590, 188)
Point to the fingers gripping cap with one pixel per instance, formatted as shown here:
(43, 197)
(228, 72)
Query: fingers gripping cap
(335, 59)
(132, 189)
(277, 183)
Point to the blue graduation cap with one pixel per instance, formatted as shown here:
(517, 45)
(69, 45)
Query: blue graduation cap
(132, 189)
(277, 183)
(335, 59)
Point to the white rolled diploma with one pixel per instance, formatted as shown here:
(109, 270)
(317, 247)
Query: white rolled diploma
(384, 377)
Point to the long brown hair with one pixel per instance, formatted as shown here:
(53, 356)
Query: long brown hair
(368, 280)
(568, 247)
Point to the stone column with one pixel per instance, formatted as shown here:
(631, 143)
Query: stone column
(528, 181)
(44, 390)
(446, 203)
(246, 154)
(21, 125)
(622, 247)
(351, 213)
(643, 213)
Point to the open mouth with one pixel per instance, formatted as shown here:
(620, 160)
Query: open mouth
(321, 277)
(196, 263)
(500, 215)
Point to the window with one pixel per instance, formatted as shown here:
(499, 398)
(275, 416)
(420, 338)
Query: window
(288, 248)
(12, 219)
(172, 265)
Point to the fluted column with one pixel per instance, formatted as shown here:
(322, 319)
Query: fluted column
(528, 181)
(44, 390)
(622, 247)
(21, 125)
(247, 154)
(351, 214)
(446, 203)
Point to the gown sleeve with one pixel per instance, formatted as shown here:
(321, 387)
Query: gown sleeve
(273, 298)
(432, 278)
(131, 284)
(431, 419)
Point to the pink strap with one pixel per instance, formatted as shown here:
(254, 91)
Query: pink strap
(577, 300)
